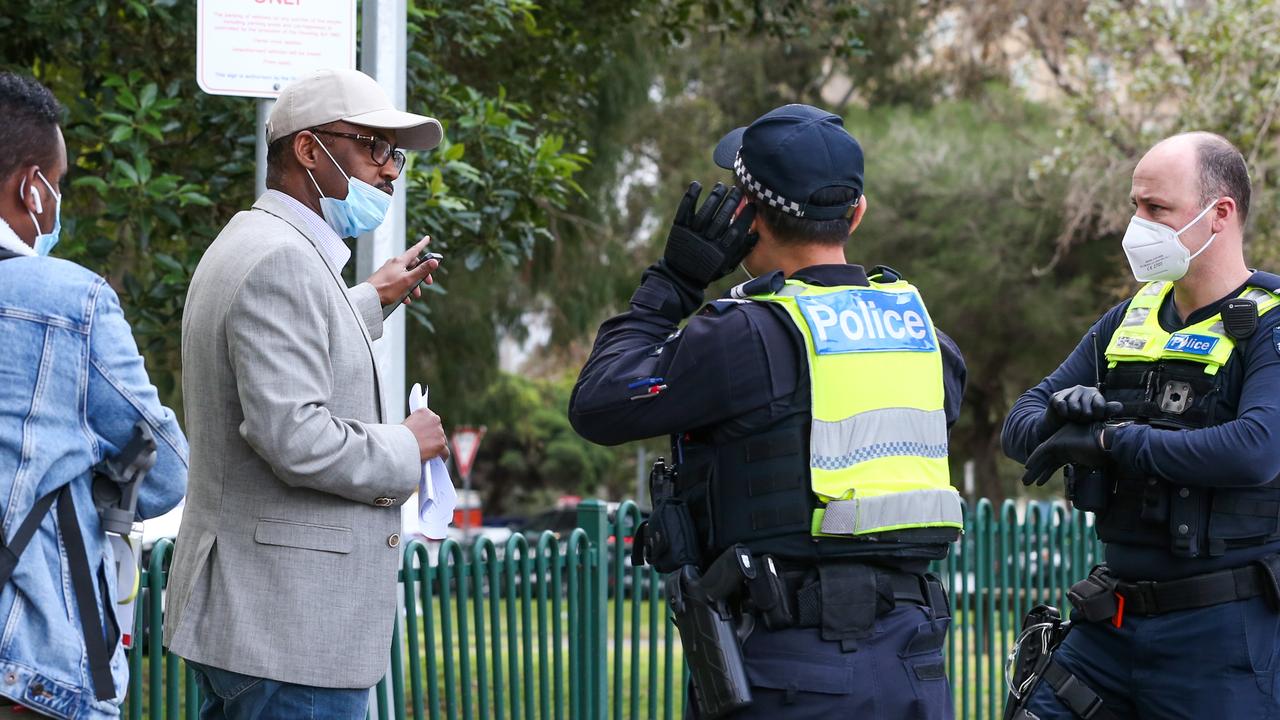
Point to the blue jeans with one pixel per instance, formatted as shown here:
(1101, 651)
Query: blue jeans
(231, 696)
(1213, 662)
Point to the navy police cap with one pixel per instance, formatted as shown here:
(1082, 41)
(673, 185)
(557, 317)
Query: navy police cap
(790, 153)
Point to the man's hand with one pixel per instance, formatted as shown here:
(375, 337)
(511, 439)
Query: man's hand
(398, 274)
(1073, 443)
(707, 245)
(1078, 404)
(429, 432)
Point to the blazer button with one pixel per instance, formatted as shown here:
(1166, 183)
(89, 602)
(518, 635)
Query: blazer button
(394, 540)
(384, 502)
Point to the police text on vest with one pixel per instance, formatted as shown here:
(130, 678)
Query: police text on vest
(858, 320)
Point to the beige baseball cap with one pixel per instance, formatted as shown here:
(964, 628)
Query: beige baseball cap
(326, 96)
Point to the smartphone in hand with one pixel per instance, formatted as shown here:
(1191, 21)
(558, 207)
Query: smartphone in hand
(422, 257)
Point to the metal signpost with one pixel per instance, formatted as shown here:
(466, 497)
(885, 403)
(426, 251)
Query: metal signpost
(382, 57)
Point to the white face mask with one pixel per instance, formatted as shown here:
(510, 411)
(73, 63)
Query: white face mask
(1154, 251)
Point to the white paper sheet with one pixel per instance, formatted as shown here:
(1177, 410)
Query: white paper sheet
(436, 496)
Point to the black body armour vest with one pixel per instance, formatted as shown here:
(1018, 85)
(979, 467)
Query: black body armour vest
(753, 487)
(1145, 510)
(755, 490)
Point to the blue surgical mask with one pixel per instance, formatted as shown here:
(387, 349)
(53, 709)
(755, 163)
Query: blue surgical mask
(45, 241)
(364, 208)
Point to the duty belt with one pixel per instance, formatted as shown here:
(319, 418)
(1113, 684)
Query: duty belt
(1102, 596)
(866, 593)
(904, 588)
(1157, 598)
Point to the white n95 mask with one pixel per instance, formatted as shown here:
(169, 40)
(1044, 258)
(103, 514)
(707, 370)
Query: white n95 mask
(1154, 251)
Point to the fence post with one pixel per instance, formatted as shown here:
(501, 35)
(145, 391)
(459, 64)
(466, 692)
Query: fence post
(593, 517)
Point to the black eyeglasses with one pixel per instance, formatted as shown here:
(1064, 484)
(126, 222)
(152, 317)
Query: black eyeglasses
(380, 151)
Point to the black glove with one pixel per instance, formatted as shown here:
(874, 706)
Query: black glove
(704, 246)
(1072, 444)
(1079, 404)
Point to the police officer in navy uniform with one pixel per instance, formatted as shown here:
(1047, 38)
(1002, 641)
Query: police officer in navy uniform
(809, 412)
(1177, 451)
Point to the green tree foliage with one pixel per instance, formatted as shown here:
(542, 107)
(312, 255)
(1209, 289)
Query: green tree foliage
(158, 166)
(528, 94)
(572, 128)
(1138, 72)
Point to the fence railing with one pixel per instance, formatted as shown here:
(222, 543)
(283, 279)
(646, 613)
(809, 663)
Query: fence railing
(566, 628)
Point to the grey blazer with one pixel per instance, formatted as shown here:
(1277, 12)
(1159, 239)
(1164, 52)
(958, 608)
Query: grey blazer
(286, 562)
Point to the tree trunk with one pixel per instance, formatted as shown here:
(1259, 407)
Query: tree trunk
(982, 440)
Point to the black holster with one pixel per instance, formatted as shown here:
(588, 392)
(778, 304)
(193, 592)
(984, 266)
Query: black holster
(1095, 596)
(701, 609)
(667, 540)
(1087, 488)
(1042, 632)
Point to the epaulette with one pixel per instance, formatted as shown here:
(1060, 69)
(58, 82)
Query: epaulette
(763, 285)
(884, 274)
(741, 294)
(1266, 280)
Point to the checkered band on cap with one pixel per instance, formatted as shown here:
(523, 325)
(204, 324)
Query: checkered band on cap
(751, 184)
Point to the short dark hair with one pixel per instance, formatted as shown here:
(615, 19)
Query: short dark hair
(1223, 172)
(277, 151)
(29, 131)
(791, 229)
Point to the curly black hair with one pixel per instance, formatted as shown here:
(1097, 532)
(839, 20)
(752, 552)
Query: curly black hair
(30, 129)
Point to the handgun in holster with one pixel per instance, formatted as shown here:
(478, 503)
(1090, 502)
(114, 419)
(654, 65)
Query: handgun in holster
(699, 602)
(700, 607)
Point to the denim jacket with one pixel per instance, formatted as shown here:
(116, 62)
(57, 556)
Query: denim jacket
(72, 386)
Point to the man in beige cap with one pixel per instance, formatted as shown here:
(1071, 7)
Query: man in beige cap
(283, 587)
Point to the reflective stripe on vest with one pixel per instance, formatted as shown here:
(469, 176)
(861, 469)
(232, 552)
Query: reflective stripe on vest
(878, 440)
(1141, 339)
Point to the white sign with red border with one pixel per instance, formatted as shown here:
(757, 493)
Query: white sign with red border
(253, 48)
(466, 444)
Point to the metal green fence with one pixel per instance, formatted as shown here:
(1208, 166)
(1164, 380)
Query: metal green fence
(565, 627)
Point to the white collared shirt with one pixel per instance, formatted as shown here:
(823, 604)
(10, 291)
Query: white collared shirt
(332, 246)
(10, 241)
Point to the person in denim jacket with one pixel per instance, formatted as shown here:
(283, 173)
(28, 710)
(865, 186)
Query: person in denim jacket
(72, 387)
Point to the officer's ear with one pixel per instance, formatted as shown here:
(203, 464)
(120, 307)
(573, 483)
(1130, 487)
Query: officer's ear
(1223, 214)
(858, 211)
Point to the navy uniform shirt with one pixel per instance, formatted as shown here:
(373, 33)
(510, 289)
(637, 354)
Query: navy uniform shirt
(1242, 452)
(737, 367)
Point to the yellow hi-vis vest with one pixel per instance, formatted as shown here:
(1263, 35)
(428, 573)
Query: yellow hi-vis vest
(878, 441)
(1141, 339)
